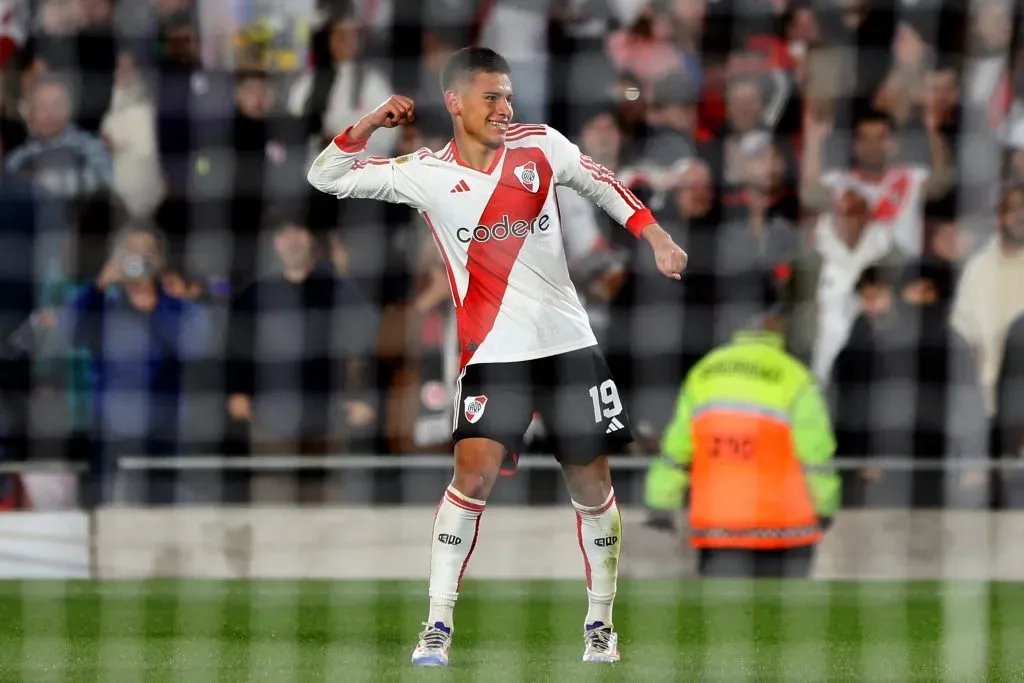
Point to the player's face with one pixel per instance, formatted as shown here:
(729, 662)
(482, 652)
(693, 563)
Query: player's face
(484, 104)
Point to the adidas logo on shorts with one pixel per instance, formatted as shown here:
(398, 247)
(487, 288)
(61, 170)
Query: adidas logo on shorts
(614, 426)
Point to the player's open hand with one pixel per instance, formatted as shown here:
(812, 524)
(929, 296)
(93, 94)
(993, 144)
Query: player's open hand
(668, 255)
(396, 111)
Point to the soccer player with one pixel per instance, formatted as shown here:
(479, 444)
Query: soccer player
(525, 339)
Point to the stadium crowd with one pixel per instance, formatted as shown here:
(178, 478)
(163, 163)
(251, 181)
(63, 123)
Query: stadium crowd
(172, 285)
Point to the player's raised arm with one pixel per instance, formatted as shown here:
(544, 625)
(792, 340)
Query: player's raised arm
(338, 170)
(594, 181)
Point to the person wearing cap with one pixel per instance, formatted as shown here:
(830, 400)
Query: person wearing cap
(752, 444)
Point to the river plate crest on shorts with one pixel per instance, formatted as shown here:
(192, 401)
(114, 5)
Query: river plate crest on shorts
(475, 408)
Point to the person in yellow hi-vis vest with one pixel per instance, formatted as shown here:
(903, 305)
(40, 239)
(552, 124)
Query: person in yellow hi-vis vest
(753, 441)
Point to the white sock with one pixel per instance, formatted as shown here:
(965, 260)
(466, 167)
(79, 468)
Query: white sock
(599, 530)
(456, 525)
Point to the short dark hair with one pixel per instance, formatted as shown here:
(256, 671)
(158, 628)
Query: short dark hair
(245, 75)
(469, 61)
(868, 115)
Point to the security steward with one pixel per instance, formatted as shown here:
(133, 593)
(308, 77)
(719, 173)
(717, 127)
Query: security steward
(752, 440)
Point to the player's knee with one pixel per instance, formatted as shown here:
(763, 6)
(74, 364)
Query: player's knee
(477, 462)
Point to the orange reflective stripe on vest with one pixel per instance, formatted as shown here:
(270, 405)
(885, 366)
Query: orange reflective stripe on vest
(748, 488)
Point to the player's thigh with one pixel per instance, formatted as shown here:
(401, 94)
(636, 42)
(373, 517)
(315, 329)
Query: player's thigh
(583, 408)
(493, 401)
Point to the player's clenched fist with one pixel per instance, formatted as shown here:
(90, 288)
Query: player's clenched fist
(668, 255)
(396, 111)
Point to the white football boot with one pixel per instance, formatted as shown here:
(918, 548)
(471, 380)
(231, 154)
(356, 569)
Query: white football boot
(432, 650)
(601, 643)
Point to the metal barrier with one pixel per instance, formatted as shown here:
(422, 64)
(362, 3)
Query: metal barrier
(285, 462)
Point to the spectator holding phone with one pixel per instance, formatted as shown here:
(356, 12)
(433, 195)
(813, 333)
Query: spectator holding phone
(140, 340)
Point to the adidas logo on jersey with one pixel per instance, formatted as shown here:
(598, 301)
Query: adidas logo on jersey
(463, 186)
(614, 426)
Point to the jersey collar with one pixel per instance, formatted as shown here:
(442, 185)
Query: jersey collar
(458, 160)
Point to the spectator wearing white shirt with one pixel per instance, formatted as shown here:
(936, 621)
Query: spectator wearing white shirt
(848, 241)
(991, 291)
(340, 86)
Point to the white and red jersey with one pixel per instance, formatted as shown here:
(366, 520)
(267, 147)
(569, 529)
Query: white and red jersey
(897, 201)
(499, 232)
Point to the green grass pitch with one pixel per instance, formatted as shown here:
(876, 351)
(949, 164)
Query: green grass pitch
(282, 631)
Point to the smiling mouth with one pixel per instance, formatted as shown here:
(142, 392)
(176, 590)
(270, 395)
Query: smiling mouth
(500, 125)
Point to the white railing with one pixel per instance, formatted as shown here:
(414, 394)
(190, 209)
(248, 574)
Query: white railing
(285, 462)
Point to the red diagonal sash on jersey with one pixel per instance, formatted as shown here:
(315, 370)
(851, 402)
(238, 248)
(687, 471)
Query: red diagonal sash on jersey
(489, 263)
(895, 193)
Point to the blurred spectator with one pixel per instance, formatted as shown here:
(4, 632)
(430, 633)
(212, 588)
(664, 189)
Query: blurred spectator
(77, 41)
(904, 89)
(518, 30)
(602, 140)
(140, 341)
(192, 103)
(848, 241)
(987, 71)
(646, 48)
(32, 234)
(66, 161)
(896, 193)
(13, 33)
(341, 86)
(766, 181)
(581, 75)
(299, 342)
(1009, 389)
(257, 162)
(953, 240)
(659, 329)
(853, 56)
(905, 384)
(668, 141)
(744, 108)
(763, 226)
(850, 388)
(418, 349)
(129, 128)
(431, 115)
(926, 400)
(991, 291)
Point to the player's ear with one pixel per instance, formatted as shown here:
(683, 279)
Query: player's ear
(452, 102)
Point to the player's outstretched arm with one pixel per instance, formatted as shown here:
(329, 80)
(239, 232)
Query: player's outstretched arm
(338, 170)
(590, 179)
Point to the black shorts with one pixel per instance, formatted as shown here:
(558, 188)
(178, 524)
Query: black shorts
(573, 392)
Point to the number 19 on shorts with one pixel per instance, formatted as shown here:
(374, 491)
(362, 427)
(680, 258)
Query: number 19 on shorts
(605, 398)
